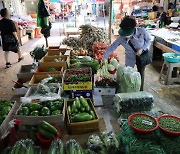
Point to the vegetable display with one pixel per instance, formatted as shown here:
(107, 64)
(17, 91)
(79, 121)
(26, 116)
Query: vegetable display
(51, 70)
(45, 89)
(73, 147)
(99, 48)
(47, 131)
(80, 110)
(107, 143)
(89, 35)
(38, 53)
(133, 102)
(5, 107)
(57, 147)
(77, 75)
(170, 124)
(83, 62)
(153, 143)
(79, 52)
(42, 109)
(23, 146)
(143, 122)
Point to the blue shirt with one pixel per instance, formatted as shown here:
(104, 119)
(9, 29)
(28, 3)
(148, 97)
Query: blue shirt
(140, 40)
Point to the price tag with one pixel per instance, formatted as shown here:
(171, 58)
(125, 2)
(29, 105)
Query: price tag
(35, 101)
(147, 122)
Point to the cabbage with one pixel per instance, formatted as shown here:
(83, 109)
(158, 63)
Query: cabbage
(111, 67)
(114, 62)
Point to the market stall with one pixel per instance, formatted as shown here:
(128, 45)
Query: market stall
(69, 102)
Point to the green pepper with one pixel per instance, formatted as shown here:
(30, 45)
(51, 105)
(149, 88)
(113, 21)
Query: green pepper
(34, 113)
(45, 111)
(56, 112)
(25, 110)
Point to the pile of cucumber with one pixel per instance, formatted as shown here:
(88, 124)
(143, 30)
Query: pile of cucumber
(80, 110)
(47, 131)
(23, 147)
(71, 147)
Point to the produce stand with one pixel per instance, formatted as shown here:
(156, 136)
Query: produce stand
(64, 104)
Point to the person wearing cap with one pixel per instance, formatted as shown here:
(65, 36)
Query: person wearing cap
(140, 40)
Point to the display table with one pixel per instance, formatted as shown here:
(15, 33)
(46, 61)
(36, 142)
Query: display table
(166, 40)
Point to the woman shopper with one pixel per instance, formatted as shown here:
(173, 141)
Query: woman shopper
(135, 40)
(9, 37)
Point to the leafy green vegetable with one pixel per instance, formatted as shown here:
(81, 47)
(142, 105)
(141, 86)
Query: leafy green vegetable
(38, 52)
(51, 70)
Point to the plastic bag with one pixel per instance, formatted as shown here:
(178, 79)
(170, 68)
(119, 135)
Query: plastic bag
(128, 79)
(133, 102)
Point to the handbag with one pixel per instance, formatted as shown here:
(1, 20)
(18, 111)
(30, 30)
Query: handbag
(145, 58)
(13, 44)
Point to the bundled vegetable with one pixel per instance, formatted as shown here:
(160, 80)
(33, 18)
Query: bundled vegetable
(111, 141)
(5, 107)
(73, 147)
(38, 53)
(129, 80)
(80, 110)
(56, 147)
(133, 102)
(95, 144)
(23, 146)
(83, 62)
(42, 109)
(47, 131)
(53, 79)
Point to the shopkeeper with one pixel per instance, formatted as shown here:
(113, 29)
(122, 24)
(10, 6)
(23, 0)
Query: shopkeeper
(139, 38)
(9, 36)
(162, 19)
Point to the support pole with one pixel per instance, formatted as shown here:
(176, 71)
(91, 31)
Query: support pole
(110, 20)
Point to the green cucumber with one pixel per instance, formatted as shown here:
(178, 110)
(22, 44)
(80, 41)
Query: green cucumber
(84, 103)
(82, 109)
(93, 114)
(16, 148)
(46, 134)
(29, 146)
(78, 104)
(74, 107)
(60, 149)
(81, 117)
(52, 149)
(38, 150)
(48, 127)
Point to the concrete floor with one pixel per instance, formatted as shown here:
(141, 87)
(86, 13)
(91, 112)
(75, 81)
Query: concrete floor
(167, 98)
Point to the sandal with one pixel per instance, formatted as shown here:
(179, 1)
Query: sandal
(20, 59)
(8, 64)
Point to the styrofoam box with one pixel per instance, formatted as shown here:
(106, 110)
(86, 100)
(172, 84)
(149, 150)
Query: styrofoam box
(104, 91)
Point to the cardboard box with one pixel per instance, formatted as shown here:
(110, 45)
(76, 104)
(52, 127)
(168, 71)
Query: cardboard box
(44, 66)
(38, 78)
(35, 120)
(26, 71)
(84, 93)
(152, 15)
(78, 85)
(65, 63)
(19, 90)
(4, 127)
(82, 127)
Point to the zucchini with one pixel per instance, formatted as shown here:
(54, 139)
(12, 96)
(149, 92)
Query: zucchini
(81, 117)
(60, 149)
(16, 148)
(48, 127)
(84, 103)
(46, 134)
(78, 104)
(52, 149)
